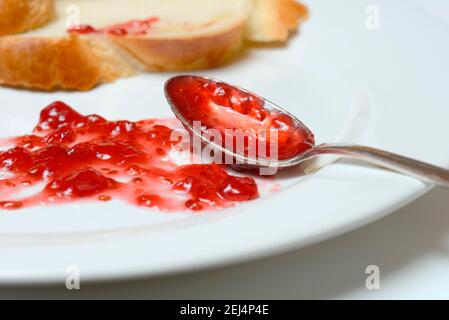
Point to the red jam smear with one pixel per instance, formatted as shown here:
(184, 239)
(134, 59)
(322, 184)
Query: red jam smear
(70, 157)
(223, 107)
(132, 28)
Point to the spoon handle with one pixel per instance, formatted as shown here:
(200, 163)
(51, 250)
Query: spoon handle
(421, 170)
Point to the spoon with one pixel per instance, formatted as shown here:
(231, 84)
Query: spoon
(408, 166)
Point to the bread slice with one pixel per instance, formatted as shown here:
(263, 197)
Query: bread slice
(188, 34)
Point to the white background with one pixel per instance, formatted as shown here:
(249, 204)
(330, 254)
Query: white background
(411, 247)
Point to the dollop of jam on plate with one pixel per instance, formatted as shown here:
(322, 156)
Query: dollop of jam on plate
(72, 157)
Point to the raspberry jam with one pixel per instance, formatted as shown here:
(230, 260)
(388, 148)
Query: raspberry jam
(70, 157)
(132, 28)
(231, 110)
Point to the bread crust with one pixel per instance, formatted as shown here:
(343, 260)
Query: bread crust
(180, 54)
(273, 20)
(47, 63)
(70, 62)
(21, 15)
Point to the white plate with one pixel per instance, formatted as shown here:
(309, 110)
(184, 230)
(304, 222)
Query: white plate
(392, 83)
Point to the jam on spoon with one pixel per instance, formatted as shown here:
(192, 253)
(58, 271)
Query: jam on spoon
(231, 110)
(220, 106)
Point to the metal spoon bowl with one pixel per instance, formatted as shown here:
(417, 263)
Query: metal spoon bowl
(408, 166)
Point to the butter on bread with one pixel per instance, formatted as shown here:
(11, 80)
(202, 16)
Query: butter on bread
(190, 34)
